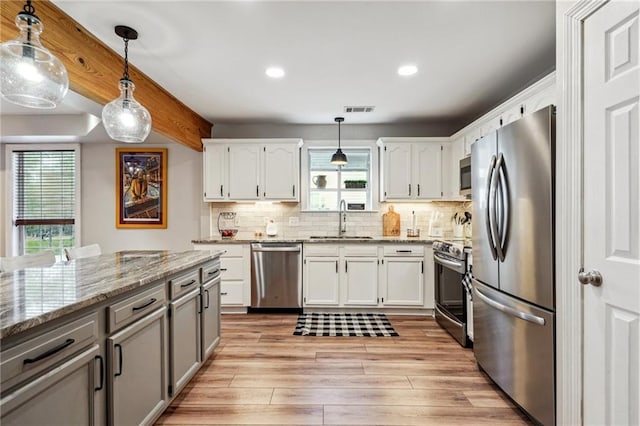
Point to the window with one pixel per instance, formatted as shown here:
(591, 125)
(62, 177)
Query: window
(44, 188)
(328, 184)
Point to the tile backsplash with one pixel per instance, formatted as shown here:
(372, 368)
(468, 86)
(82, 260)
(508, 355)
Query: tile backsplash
(251, 217)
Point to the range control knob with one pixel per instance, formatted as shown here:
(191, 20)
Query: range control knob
(455, 250)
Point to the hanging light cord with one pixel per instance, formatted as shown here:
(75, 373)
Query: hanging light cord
(125, 76)
(338, 135)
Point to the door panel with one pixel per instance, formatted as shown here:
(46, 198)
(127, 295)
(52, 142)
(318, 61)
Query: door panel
(281, 172)
(397, 171)
(611, 214)
(214, 172)
(527, 148)
(321, 281)
(361, 281)
(244, 172)
(185, 338)
(485, 268)
(428, 170)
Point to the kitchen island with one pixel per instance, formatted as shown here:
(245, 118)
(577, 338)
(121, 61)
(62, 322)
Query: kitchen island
(110, 339)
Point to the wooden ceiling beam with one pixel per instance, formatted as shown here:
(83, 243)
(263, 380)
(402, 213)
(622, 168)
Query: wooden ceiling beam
(94, 71)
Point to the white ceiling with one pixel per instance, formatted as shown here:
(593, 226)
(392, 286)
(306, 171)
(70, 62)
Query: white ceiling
(212, 55)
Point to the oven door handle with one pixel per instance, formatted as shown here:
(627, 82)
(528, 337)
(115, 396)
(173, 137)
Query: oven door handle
(456, 266)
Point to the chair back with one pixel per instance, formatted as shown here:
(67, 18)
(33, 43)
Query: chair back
(38, 260)
(81, 252)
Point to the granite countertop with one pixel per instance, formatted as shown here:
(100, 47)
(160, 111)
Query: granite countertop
(36, 295)
(323, 240)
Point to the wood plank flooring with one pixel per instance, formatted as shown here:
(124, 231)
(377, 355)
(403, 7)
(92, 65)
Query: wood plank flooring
(262, 374)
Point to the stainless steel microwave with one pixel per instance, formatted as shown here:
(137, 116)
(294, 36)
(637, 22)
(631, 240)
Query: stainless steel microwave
(465, 176)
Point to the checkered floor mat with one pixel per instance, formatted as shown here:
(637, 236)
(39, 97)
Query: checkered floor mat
(342, 324)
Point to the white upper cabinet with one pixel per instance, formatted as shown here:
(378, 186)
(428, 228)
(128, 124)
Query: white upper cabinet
(281, 172)
(251, 169)
(411, 168)
(214, 169)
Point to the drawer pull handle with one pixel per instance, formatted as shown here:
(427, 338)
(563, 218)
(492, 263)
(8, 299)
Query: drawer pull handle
(50, 352)
(224, 293)
(117, 346)
(99, 358)
(214, 272)
(146, 305)
(223, 269)
(403, 251)
(188, 284)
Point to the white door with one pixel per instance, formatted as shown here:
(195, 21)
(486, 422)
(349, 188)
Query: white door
(214, 168)
(361, 281)
(403, 281)
(281, 175)
(244, 172)
(397, 171)
(427, 169)
(321, 281)
(611, 215)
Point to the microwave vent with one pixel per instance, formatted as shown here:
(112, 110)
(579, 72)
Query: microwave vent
(359, 108)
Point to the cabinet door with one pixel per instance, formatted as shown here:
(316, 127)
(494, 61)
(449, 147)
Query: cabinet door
(62, 396)
(137, 371)
(321, 281)
(281, 172)
(397, 172)
(427, 169)
(214, 169)
(451, 156)
(512, 114)
(403, 281)
(361, 281)
(185, 349)
(210, 317)
(244, 172)
(428, 277)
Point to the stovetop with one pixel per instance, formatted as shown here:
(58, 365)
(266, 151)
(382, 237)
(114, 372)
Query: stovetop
(456, 248)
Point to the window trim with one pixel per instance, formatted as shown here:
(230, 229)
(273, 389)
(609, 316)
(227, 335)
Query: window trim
(332, 144)
(11, 236)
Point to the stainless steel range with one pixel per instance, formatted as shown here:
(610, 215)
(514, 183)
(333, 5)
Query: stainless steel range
(452, 288)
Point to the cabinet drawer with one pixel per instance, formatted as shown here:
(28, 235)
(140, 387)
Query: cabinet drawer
(231, 292)
(321, 250)
(231, 250)
(210, 270)
(129, 310)
(40, 353)
(232, 269)
(361, 250)
(404, 250)
(184, 283)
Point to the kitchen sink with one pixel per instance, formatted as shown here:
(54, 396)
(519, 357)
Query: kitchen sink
(342, 237)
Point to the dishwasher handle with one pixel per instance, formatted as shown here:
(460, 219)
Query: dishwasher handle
(295, 249)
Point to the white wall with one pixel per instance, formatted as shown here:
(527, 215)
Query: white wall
(186, 211)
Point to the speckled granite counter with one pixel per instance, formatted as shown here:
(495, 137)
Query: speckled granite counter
(327, 240)
(36, 295)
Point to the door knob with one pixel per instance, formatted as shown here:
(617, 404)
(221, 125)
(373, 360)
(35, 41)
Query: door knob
(592, 277)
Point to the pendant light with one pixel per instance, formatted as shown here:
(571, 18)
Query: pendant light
(124, 119)
(338, 158)
(31, 75)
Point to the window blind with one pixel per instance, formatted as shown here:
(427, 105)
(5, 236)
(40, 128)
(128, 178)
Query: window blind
(44, 187)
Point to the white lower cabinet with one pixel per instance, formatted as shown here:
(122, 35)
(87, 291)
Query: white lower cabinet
(137, 371)
(361, 281)
(321, 281)
(184, 327)
(63, 396)
(403, 281)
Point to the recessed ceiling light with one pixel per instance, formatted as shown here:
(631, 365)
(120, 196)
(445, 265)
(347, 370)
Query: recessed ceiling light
(407, 70)
(275, 72)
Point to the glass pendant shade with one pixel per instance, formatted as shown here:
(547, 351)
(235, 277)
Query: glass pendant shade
(124, 119)
(31, 75)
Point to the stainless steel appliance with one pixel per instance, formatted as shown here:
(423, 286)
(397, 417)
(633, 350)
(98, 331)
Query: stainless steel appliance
(276, 275)
(513, 261)
(450, 267)
(465, 176)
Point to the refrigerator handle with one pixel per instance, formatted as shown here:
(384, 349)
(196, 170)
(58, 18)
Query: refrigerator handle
(509, 310)
(504, 208)
(490, 210)
(493, 208)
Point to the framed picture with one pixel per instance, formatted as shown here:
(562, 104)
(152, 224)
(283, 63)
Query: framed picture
(141, 192)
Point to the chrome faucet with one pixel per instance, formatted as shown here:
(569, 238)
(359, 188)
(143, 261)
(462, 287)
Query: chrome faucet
(342, 218)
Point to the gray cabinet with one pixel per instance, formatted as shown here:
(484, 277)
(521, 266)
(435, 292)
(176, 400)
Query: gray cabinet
(137, 371)
(210, 317)
(65, 395)
(184, 326)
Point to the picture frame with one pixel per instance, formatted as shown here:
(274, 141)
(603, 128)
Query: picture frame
(141, 188)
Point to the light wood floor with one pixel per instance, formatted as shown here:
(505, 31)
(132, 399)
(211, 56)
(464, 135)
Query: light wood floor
(262, 374)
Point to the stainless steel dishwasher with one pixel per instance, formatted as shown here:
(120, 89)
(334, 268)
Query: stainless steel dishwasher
(276, 275)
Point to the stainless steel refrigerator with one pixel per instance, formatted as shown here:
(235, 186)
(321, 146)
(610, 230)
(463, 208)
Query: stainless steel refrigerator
(513, 260)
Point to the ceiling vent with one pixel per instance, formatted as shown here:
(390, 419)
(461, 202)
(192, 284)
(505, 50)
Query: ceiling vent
(359, 108)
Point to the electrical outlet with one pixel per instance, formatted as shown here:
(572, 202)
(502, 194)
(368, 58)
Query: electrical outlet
(294, 221)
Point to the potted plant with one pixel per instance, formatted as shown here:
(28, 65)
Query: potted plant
(355, 184)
